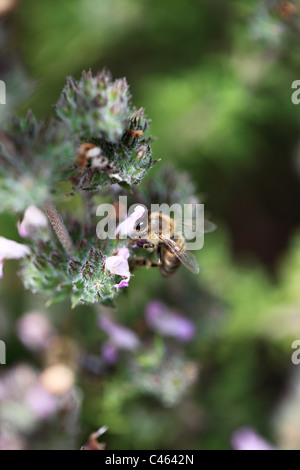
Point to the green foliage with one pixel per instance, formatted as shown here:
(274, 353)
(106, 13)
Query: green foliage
(168, 379)
(125, 162)
(169, 186)
(95, 106)
(83, 277)
(34, 156)
(216, 79)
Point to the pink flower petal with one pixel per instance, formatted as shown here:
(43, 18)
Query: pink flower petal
(10, 249)
(120, 337)
(33, 220)
(166, 322)
(34, 330)
(124, 252)
(123, 283)
(118, 265)
(245, 438)
(41, 402)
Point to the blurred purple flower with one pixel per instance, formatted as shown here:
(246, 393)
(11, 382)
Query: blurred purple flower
(33, 220)
(119, 336)
(109, 352)
(128, 226)
(26, 403)
(118, 265)
(41, 402)
(34, 330)
(245, 438)
(123, 283)
(10, 249)
(21, 387)
(167, 323)
(11, 440)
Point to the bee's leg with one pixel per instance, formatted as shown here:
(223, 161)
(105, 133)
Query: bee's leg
(159, 258)
(148, 263)
(144, 244)
(148, 246)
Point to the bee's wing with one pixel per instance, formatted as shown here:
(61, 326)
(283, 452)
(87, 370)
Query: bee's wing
(181, 225)
(186, 257)
(209, 226)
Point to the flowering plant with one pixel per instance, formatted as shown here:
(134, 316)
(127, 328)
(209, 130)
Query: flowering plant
(96, 149)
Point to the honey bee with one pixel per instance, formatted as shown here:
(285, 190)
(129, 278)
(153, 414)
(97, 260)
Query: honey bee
(167, 239)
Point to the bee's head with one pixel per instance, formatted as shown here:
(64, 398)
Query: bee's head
(158, 224)
(142, 229)
(145, 244)
(141, 242)
(147, 231)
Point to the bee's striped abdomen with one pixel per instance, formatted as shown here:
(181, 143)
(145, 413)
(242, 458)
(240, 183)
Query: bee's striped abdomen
(170, 262)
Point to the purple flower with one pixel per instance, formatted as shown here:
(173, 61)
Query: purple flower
(34, 330)
(109, 352)
(123, 283)
(11, 440)
(22, 385)
(128, 226)
(119, 336)
(118, 265)
(33, 220)
(41, 402)
(10, 249)
(167, 323)
(245, 438)
(26, 402)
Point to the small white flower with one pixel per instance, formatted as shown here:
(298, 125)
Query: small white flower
(10, 249)
(128, 226)
(33, 219)
(118, 265)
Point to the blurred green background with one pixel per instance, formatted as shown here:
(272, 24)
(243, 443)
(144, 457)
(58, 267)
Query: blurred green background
(215, 78)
